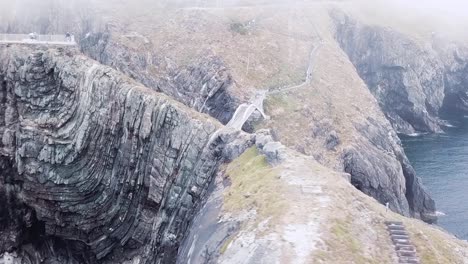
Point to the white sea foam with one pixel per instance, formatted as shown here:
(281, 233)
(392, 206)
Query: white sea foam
(415, 134)
(447, 123)
(439, 213)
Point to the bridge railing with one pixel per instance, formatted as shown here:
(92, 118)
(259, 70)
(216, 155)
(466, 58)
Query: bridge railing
(38, 38)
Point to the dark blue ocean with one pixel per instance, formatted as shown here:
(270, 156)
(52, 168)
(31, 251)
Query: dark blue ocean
(442, 163)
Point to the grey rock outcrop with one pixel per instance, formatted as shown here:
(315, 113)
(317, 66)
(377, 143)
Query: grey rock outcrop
(238, 142)
(274, 151)
(97, 161)
(455, 58)
(379, 168)
(332, 140)
(263, 136)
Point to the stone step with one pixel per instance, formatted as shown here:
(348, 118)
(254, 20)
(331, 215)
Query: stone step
(405, 258)
(401, 241)
(408, 260)
(405, 251)
(400, 237)
(402, 245)
(398, 232)
(393, 223)
(406, 254)
(396, 228)
(405, 247)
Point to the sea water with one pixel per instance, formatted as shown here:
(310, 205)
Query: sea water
(441, 160)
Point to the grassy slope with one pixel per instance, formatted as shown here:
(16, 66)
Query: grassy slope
(271, 52)
(254, 184)
(337, 98)
(350, 225)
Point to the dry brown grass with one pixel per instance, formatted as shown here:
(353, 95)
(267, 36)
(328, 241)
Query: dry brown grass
(336, 96)
(272, 52)
(433, 245)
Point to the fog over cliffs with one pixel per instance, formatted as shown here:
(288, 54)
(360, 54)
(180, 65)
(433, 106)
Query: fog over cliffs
(119, 149)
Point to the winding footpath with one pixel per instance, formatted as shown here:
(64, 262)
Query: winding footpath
(205, 227)
(309, 75)
(245, 110)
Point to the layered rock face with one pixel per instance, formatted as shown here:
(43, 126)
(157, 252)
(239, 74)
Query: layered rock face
(379, 167)
(406, 78)
(93, 159)
(455, 58)
(415, 82)
(204, 85)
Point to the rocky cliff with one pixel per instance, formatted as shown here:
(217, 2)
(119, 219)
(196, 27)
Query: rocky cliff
(96, 168)
(454, 55)
(406, 79)
(338, 122)
(204, 84)
(414, 81)
(97, 161)
(375, 160)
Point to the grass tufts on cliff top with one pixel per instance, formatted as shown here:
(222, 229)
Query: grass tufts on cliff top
(432, 246)
(345, 246)
(254, 184)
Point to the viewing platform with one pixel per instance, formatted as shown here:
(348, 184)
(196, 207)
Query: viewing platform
(37, 40)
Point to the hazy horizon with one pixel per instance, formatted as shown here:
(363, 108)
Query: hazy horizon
(54, 16)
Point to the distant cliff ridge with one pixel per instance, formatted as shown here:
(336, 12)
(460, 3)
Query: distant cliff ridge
(413, 83)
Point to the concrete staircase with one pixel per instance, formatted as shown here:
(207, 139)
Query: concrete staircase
(405, 250)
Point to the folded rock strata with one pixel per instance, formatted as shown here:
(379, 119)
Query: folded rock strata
(97, 160)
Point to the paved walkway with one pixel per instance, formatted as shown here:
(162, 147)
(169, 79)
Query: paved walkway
(39, 40)
(405, 250)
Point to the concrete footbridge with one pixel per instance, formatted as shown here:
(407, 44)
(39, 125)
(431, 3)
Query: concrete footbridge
(35, 39)
(245, 110)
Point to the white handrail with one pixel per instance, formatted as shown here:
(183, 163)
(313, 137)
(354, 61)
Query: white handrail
(37, 39)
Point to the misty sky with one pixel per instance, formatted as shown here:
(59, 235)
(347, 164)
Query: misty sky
(451, 11)
(435, 7)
